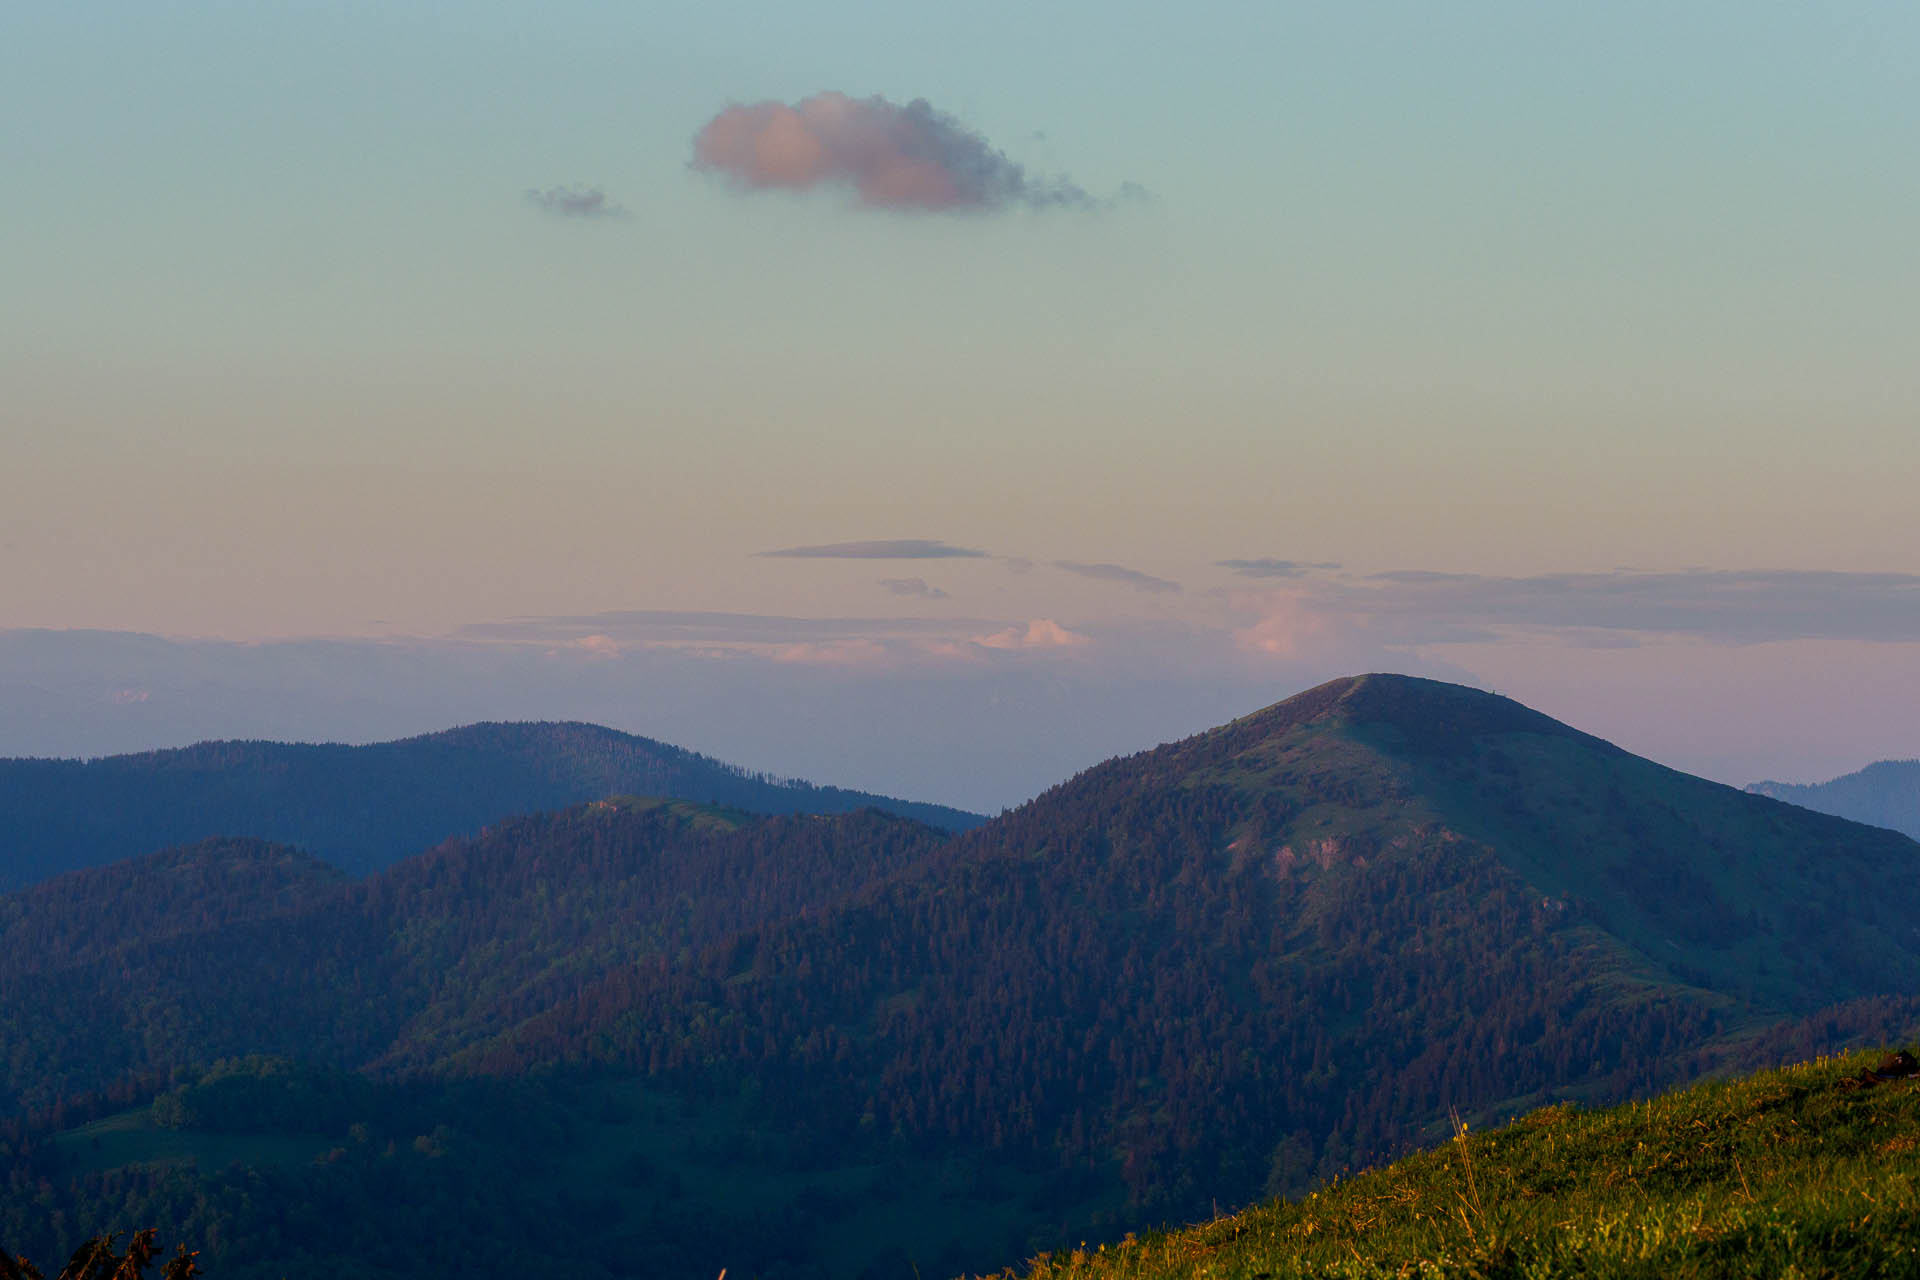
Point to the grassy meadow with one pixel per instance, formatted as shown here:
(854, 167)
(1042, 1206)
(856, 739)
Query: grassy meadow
(1783, 1174)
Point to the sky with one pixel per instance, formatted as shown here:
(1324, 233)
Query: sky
(941, 400)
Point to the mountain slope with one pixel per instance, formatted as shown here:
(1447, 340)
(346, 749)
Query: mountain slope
(274, 953)
(1239, 963)
(1785, 1173)
(89, 916)
(1283, 947)
(1885, 794)
(363, 808)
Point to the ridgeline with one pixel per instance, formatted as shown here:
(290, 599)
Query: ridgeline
(365, 808)
(659, 1037)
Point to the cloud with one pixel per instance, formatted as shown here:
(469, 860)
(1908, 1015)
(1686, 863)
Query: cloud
(1041, 633)
(908, 158)
(690, 629)
(1119, 573)
(638, 636)
(882, 549)
(1727, 606)
(916, 588)
(903, 643)
(1274, 568)
(599, 644)
(859, 652)
(961, 724)
(1423, 577)
(575, 202)
(1288, 628)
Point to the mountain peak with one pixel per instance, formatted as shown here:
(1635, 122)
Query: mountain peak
(1433, 714)
(1884, 794)
(1417, 714)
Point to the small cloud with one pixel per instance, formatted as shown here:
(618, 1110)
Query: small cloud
(1727, 606)
(1289, 629)
(910, 158)
(1119, 573)
(1041, 633)
(882, 549)
(599, 644)
(950, 650)
(1017, 564)
(914, 588)
(1267, 568)
(636, 629)
(1424, 577)
(575, 202)
(856, 652)
(129, 697)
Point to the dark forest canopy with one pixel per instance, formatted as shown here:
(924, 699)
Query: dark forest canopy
(1235, 964)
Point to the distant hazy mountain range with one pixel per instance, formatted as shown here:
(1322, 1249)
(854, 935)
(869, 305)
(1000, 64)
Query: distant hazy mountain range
(639, 1037)
(364, 808)
(1886, 794)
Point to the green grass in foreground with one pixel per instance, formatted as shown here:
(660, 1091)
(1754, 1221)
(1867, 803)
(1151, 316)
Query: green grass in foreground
(1782, 1174)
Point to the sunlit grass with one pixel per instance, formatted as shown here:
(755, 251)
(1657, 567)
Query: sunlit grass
(1782, 1174)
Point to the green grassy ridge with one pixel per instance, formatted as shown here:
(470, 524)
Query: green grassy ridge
(133, 1138)
(1779, 1174)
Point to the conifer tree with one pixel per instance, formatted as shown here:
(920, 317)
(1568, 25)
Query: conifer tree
(100, 1259)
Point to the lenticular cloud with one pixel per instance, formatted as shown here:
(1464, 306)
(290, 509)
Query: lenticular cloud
(908, 158)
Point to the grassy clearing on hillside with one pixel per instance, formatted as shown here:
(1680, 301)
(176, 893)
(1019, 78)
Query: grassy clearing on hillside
(1782, 1174)
(132, 1138)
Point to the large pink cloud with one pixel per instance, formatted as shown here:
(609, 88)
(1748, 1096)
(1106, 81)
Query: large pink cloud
(909, 158)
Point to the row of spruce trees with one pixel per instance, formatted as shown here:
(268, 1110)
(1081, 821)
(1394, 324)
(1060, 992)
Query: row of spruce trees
(101, 1259)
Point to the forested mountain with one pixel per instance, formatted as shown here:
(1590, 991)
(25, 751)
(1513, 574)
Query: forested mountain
(1284, 947)
(116, 971)
(1885, 794)
(88, 916)
(801, 1046)
(364, 808)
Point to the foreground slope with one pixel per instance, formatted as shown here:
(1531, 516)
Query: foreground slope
(363, 808)
(1884, 794)
(1784, 1173)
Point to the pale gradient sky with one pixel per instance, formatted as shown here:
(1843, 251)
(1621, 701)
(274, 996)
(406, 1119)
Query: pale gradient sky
(1528, 293)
